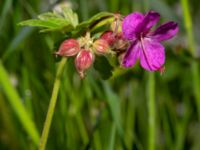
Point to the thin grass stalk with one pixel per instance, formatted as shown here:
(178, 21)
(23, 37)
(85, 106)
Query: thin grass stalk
(111, 145)
(194, 64)
(52, 104)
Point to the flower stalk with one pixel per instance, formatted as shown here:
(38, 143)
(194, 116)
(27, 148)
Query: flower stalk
(52, 105)
(151, 111)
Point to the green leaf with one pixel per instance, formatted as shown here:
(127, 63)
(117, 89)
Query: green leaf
(49, 15)
(70, 16)
(96, 18)
(53, 21)
(17, 105)
(103, 22)
(114, 105)
(51, 24)
(111, 144)
(103, 66)
(92, 22)
(64, 29)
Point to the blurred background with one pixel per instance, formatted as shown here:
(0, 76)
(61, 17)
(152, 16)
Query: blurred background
(94, 113)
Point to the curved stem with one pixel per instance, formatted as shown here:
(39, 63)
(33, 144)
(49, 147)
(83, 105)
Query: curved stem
(52, 105)
(151, 111)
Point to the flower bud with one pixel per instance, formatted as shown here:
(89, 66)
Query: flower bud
(83, 61)
(101, 46)
(116, 26)
(120, 43)
(109, 37)
(69, 47)
(119, 35)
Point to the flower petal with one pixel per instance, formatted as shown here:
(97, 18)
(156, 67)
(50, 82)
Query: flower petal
(130, 25)
(165, 31)
(150, 19)
(152, 56)
(132, 54)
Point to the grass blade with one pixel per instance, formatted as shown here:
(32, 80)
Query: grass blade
(16, 103)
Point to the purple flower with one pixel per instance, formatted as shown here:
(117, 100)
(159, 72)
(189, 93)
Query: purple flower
(145, 44)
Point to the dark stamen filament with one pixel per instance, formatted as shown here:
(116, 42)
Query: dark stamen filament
(145, 54)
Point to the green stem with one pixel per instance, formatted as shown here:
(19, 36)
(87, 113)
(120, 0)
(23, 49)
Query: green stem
(151, 112)
(111, 145)
(192, 48)
(82, 129)
(52, 105)
(196, 84)
(188, 25)
(97, 141)
(17, 105)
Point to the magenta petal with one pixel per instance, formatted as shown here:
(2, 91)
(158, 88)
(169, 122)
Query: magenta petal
(150, 19)
(130, 25)
(152, 56)
(132, 54)
(165, 31)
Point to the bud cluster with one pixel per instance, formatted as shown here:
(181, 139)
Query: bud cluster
(85, 48)
(83, 57)
(114, 36)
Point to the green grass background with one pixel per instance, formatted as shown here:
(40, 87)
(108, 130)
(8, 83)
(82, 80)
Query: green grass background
(93, 113)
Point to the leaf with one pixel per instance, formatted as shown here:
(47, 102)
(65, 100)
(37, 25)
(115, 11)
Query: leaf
(48, 15)
(96, 18)
(63, 29)
(15, 42)
(92, 22)
(17, 105)
(112, 138)
(102, 23)
(70, 16)
(103, 66)
(114, 105)
(51, 24)
(66, 20)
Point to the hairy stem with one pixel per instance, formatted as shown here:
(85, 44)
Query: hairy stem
(52, 105)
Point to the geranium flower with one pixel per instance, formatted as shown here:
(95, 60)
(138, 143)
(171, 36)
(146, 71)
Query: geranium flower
(145, 44)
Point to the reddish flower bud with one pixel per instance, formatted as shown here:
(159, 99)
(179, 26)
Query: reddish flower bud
(69, 47)
(120, 36)
(120, 43)
(109, 37)
(83, 61)
(101, 46)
